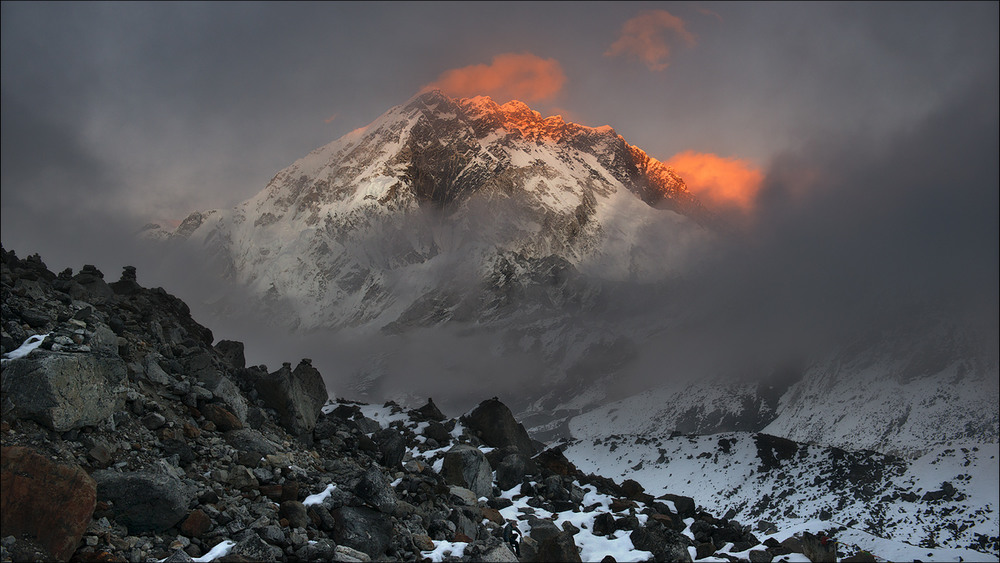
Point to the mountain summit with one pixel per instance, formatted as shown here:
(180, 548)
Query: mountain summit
(369, 229)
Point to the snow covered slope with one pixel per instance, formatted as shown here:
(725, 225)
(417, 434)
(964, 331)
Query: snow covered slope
(904, 394)
(947, 498)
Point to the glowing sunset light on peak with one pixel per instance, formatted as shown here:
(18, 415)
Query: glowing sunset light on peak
(718, 181)
(510, 76)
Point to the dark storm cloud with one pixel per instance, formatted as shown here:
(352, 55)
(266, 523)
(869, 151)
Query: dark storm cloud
(854, 239)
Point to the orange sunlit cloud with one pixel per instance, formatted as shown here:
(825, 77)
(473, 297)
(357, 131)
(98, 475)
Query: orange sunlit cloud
(646, 37)
(511, 76)
(717, 181)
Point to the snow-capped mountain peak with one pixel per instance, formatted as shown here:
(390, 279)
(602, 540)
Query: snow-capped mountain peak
(359, 231)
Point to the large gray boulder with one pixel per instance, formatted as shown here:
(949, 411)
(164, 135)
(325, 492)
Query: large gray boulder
(64, 391)
(467, 467)
(144, 501)
(297, 395)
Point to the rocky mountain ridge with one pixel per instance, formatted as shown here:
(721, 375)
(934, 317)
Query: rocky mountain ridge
(129, 434)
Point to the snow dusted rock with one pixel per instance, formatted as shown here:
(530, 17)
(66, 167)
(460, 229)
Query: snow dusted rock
(64, 391)
(364, 230)
(49, 502)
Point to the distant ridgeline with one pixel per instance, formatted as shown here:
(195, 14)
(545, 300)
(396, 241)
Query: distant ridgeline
(128, 434)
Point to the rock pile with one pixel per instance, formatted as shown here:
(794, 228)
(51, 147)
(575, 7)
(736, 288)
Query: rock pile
(129, 436)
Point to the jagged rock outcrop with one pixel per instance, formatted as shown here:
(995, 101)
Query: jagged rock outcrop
(297, 395)
(494, 424)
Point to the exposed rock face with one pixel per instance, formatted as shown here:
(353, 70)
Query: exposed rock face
(65, 391)
(51, 503)
(144, 501)
(297, 395)
(494, 424)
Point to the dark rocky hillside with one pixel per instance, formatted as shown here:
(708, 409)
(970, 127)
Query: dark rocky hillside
(129, 434)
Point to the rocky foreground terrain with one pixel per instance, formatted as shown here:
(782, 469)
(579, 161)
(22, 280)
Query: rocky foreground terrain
(129, 434)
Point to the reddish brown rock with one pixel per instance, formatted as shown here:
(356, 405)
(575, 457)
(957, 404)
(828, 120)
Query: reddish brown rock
(273, 492)
(290, 491)
(196, 524)
(223, 419)
(631, 488)
(493, 515)
(191, 431)
(618, 505)
(49, 502)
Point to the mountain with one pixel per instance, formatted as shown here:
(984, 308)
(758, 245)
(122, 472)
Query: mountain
(388, 227)
(130, 434)
(471, 246)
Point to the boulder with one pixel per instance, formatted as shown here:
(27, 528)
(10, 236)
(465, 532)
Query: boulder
(604, 524)
(49, 502)
(818, 548)
(144, 501)
(64, 391)
(223, 419)
(92, 286)
(374, 489)
(430, 412)
(665, 544)
(362, 529)
(253, 548)
(559, 547)
(685, 505)
(511, 471)
(250, 440)
(295, 512)
(297, 395)
(494, 424)
(467, 467)
(391, 446)
(232, 352)
(196, 524)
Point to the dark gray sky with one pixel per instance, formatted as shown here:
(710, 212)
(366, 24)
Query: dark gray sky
(874, 126)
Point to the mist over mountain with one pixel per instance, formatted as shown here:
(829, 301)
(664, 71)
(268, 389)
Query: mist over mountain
(460, 247)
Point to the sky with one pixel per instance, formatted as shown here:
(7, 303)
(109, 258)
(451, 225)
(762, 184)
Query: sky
(861, 137)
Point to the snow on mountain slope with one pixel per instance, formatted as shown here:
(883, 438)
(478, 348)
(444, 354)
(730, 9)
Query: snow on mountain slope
(434, 196)
(901, 393)
(947, 498)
